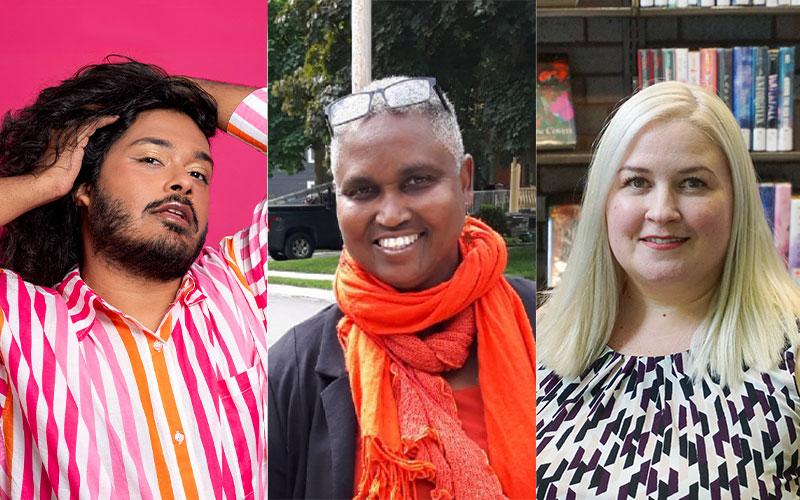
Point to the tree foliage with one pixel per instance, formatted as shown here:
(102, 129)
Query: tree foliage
(480, 51)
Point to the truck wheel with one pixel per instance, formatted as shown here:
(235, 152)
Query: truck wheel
(277, 255)
(298, 246)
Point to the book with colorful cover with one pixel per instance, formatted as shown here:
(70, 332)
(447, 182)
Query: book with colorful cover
(708, 68)
(555, 115)
(743, 91)
(725, 75)
(682, 64)
(767, 192)
(760, 76)
(642, 60)
(794, 239)
(561, 227)
(669, 64)
(783, 208)
(786, 63)
(773, 94)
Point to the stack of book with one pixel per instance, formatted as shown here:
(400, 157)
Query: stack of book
(757, 84)
(681, 4)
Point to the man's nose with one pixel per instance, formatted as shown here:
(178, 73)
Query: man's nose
(179, 181)
(393, 210)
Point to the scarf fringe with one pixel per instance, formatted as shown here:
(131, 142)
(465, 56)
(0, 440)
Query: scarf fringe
(390, 474)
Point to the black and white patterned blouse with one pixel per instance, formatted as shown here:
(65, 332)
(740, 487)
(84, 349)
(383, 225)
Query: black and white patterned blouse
(637, 427)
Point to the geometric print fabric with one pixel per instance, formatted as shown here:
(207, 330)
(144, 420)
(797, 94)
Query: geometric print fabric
(638, 427)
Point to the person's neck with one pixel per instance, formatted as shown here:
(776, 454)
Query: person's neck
(145, 300)
(655, 323)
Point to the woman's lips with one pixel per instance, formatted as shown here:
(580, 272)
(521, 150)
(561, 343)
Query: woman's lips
(663, 242)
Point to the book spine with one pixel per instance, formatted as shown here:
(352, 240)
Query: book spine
(682, 64)
(772, 3)
(682, 4)
(641, 60)
(786, 100)
(669, 64)
(773, 92)
(743, 90)
(760, 75)
(672, 4)
(646, 3)
(723, 3)
(767, 192)
(759, 3)
(694, 67)
(794, 239)
(782, 3)
(658, 66)
(725, 75)
(651, 63)
(661, 3)
(783, 207)
(707, 3)
(741, 2)
(708, 68)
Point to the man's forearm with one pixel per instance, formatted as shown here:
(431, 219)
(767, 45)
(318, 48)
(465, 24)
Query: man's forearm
(23, 193)
(227, 95)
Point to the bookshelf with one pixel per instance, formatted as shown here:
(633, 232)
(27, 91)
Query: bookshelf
(601, 43)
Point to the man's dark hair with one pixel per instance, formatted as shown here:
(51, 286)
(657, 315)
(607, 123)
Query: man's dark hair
(43, 244)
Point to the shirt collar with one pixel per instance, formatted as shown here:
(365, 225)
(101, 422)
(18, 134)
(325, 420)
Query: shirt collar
(83, 303)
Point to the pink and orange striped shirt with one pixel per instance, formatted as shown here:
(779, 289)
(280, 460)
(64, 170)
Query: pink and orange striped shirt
(96, 406)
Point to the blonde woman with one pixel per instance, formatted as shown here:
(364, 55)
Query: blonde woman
(667, 352)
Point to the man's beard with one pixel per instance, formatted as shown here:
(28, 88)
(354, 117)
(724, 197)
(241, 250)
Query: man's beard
(159, 258)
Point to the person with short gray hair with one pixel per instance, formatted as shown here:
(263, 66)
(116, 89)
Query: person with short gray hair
(378, 395)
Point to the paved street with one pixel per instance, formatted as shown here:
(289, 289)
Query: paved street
(284, 310)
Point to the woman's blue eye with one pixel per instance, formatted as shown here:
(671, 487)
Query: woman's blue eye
(694, 183)
(635, 182)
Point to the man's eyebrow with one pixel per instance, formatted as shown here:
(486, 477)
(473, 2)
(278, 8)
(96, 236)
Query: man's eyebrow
(157, 141)
(414, 168)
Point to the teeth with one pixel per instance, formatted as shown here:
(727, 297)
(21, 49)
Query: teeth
(397, 243)
(176, 212)
(662, 241)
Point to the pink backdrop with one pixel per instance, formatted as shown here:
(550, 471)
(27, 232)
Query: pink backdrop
(45, 41)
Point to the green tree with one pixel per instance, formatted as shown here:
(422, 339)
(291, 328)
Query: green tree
(480, 51)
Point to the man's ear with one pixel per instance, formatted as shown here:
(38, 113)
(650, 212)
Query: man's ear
(83, 195)
(467, 165)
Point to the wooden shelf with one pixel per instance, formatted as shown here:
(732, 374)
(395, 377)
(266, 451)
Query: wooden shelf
(554, 159)
(585, 12)
(715, 11)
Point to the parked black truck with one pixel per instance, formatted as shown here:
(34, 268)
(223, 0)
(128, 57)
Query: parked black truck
(303, 222)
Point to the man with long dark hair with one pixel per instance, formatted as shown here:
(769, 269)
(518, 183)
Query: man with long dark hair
(132, 358)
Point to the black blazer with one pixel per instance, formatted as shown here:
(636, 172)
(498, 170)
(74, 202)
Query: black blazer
(311, 423)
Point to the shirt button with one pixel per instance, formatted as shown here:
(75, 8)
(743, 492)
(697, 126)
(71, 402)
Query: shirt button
(158, 345)
(179, 437)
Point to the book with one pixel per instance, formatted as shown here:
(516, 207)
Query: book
(767, 192)
(561, 227)
(786, 62)
(644, 68)
(682, 64)
(725, 75)
(555, 115)
(708, 68)
(794, 239)
(658, 66)
(760, 75)
(694, 67)
(773, 91)
(743, 91)
(782, 219)
(668, 55)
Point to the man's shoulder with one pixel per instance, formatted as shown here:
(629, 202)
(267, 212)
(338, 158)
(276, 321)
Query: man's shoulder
(19, 297)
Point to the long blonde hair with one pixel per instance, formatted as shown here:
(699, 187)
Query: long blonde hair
(755, 309)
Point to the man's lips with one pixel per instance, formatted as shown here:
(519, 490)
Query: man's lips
(178, 211)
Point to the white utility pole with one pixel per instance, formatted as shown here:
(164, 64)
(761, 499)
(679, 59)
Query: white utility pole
(361, 51)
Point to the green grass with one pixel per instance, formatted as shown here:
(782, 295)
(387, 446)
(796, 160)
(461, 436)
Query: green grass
(320, 265)
(522, 261)
(323, 284)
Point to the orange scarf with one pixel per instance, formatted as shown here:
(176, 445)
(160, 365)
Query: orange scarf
(407, 418)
